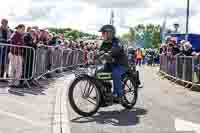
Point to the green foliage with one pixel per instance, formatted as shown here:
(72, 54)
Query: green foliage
(147, 36)
(130, 36)
(71, 33)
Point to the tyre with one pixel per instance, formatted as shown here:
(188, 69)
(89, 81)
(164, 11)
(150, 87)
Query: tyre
(88, 85)
(130, 93)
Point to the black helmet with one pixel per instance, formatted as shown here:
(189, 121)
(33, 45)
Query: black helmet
(107, 28)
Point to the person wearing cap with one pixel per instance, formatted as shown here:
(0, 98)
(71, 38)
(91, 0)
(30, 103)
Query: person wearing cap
(16, 55)
(120, 65)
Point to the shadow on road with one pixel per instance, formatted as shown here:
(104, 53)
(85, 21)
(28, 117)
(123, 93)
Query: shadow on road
(34, 90)
(115, 118)
(22, 92)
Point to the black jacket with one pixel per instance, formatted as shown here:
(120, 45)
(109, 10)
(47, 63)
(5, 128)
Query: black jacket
(117, 51)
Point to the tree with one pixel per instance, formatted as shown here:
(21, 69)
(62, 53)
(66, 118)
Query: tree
(68, 33)
(140, 28)
(130, 36)
(126, 36)
(147, 36)
(156, 37)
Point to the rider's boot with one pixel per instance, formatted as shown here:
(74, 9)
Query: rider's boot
(119, 99)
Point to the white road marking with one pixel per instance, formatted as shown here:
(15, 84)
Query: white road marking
(183, 125)
(62, 123)
(56, 120)
(21, 118)
(65, 118)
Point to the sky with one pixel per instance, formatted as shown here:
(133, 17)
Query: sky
(89, 15)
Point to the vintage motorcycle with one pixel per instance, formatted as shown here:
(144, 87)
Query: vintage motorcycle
(96, 88)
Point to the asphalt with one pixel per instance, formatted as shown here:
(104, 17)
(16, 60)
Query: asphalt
(160, 104)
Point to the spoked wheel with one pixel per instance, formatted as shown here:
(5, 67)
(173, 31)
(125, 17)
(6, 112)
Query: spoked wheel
(84, 96)
(130, 93)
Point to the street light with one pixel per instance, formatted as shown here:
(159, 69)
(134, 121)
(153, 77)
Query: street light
(187, 20)
(176, 27)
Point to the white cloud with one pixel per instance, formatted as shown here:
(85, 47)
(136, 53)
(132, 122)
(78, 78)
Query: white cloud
(121, 3)
(90, 14)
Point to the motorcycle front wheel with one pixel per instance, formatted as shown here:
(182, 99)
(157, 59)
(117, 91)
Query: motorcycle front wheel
(86, 89)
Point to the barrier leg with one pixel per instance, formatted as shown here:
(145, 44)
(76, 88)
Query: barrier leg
(36, 82)
(187, 85)
(27, 83)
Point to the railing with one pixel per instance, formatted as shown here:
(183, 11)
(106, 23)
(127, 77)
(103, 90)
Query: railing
(181, 68)
(17, 62)
(27, 63)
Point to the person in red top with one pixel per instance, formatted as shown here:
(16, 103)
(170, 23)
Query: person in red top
(16, 54)
(85, 51)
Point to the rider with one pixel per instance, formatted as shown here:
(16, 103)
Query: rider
(120, 64)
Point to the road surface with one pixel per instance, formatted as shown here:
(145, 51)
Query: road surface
(162, 107)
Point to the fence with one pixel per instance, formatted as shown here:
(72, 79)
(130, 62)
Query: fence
(27, 63)
(181, 68)
(16, 62)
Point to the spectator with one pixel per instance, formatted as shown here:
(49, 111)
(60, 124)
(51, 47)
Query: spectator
(28, 54)
(85, 53)
(187, 49)
(164, 49)
(5, 34)
(34, 36)
(90, 55)
(175, 50)
(62, 37)
(181, 47)
(138, 56)
(53, 41)
(16, 54)
(37, 33)
(81, 45)
(28, 30)
(43, 37)
(50, 37)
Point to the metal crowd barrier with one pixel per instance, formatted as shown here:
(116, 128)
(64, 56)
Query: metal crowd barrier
(27, 63)
(91, 59)
(72, 58)
(50, 59)
(16, 62)
(67, 58)
(181, 68)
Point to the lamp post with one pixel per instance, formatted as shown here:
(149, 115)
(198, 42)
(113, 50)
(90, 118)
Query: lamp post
(187, 20)
(112, 17)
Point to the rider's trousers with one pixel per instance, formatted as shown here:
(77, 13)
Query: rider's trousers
(117, 73)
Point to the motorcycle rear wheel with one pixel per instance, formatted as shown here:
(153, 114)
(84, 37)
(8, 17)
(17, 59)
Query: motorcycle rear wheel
(129, 104)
